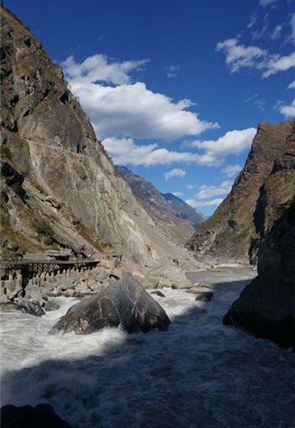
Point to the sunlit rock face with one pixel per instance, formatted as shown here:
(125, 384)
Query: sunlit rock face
(125, 304)
(69, 194)
(177, 220)
(263, 189)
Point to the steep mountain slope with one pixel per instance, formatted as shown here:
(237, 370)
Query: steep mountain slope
(256, 199)
(266, 306)
(175, 226)
(59, 189)
(183, 210)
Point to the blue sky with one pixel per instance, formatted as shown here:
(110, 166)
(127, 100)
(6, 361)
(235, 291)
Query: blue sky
(175, 89)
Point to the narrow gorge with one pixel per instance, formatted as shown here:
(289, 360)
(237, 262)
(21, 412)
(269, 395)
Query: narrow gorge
(122, 305)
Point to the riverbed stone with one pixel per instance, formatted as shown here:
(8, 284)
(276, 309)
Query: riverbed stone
(182, 284)
(125, 303)
(158, 293)
(32, 308)
(204, 296)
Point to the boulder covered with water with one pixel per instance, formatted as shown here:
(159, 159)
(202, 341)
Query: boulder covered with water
(40, 416)
(123, 304)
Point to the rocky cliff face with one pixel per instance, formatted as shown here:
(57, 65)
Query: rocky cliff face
(263, 190)
(171, 217)
(59, 189)
(266, 306)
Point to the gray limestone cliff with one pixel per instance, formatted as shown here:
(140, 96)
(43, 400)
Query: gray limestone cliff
(59, 189)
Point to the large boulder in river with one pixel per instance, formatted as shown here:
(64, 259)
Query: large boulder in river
(125, 303)
(266, 307)
(41, 416)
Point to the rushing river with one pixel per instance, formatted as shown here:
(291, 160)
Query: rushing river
(197, 374)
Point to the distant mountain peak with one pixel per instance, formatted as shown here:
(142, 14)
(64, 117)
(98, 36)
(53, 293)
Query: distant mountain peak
(171, 213)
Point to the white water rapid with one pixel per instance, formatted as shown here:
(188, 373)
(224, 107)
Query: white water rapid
(199, 373)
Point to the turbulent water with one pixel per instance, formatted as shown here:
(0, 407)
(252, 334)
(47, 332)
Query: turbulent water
(197, 374)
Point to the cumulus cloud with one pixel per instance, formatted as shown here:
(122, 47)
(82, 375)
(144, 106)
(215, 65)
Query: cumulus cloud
(232, 143)
(199, 204)
(176, 172)
(129, 109)
(178, 194)
(126, 152)
(238, 55)
(207, 192)
(98, 68)
(232, 170)
(292, 85)
(288, 110)
(204, 197)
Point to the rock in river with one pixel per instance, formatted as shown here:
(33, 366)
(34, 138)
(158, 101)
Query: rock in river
(125, 303)
(41, 416)
(204, 296)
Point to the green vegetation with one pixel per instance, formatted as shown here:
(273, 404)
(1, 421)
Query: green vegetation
(90, 235)
(8, 234)
(43, 228)
(17, 187)
(5, 152)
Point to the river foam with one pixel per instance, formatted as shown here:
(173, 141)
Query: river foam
(197, 374)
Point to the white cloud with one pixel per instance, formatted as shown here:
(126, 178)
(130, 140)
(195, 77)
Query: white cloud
(238, 55)
(207, 192)
(126, 152)
(172, 70)
(277, 63)
(266, 2)
(191, 186)
(129, 109)
(232, 143)
(288, 110)
(292, 85)
(98, 68)
(177, 172)
(199, 204)
(178, 194)
(232, 170)
(276, 32)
